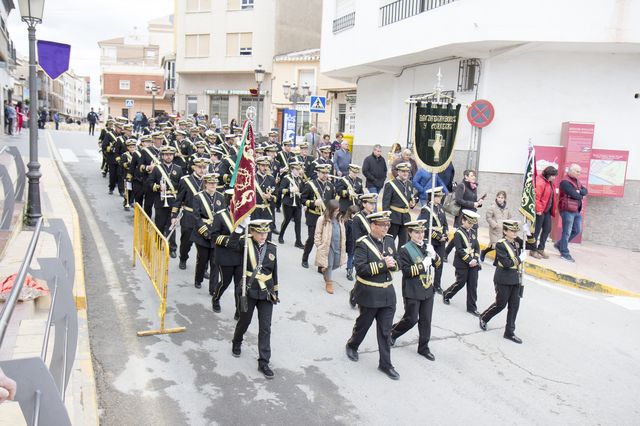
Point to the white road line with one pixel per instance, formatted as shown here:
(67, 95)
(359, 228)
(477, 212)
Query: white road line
(94, 155)
(560, 288)
(68, 156)
(630, 303)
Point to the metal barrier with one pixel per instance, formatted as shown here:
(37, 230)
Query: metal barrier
(41, 390)
(152, 248)
(13, 195)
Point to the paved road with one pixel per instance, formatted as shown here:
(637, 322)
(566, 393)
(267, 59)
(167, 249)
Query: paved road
(578, 364)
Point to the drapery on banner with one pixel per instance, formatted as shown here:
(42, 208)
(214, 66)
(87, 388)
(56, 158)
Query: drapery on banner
(528, 200)
(53, 57)
(436, 127)
(243, 201)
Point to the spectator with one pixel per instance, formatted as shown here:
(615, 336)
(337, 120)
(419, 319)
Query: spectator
(232, 125)
(137, 120)
(143, 123)
(216, 122)
(11, 117)
(56, 119)
(43, 118)
(19, 117)
(195, 118)
(447, 177)
(6, 117)
(466, 195)
(92, 118)
(545, 209)
(570, 206)
(405, 157)
(394, 153)
(422, 182)
(326, 141)
(335, 145)
(342, 159)
(495, 215)
(330, 239)
(374, 169)
(312, 138)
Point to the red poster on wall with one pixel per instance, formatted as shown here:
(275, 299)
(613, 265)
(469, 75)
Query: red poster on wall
(607, 173)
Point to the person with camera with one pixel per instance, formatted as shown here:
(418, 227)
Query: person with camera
(466, 196)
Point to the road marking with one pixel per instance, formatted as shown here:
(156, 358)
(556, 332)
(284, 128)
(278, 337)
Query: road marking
(556, 287)
(68, 156)
(630, 303)
(94, 155)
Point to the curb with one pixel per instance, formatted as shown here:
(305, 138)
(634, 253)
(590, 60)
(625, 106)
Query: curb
(567, 280)
(84, 359)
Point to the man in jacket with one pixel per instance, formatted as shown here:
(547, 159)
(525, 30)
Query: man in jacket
(342, 159)
(422, 183)
(374, 169)
(570, 206)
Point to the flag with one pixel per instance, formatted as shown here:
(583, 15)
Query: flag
(528, 200)
(53, 57)
(243, 201)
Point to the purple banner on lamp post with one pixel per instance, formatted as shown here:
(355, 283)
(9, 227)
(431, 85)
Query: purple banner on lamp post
(53, 57)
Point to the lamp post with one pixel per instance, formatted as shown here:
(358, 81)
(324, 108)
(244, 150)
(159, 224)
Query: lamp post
(31, 12)
(259, 74)
(153, 89)
(293, 94)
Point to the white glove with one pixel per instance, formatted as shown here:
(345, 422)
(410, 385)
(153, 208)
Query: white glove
(521, 256)
(426, 262)
(431, 251)
(526, 228)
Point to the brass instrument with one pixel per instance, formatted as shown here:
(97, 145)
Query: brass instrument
(164, 193)
(294, 190)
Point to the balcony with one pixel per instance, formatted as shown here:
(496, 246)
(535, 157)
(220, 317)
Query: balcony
(344, 22)
(403, 9)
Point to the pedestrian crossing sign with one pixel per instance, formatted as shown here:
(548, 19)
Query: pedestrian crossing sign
(317, 104)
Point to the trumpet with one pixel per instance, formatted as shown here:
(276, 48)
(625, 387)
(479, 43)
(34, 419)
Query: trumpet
(164, 194)
(294, 191)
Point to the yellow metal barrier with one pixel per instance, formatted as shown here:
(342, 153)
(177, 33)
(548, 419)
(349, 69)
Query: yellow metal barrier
(152, 248)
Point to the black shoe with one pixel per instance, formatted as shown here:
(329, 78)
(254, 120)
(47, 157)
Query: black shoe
(390, 372)
(392, 340)
(513, 338)
(428, 355)
(299, 245)
(483, 324)
(352, 354)
(557, 246)
(445, 300)
(275, 232)
(236, 349)
(474, 313)
(111, 192)
(305, 264)
(182, 265)
(482, 255)
(121, 194)
(206, 275)
(264, 369)
(198, 285)
(350, 274)
(127, 208)
(236, 316)
(439, 290)
(568, 258)
(215, 305)
(172, 254)
(104, 175)
(280, 240)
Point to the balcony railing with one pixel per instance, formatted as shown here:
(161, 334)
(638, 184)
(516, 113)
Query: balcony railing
(402, 9)
(344, 22)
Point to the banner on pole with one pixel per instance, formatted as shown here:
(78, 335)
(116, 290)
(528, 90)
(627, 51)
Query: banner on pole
(53, 57)
(436, 126)
(243, 201)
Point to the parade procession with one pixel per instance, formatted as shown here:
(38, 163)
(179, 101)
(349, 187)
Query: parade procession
(319, 212)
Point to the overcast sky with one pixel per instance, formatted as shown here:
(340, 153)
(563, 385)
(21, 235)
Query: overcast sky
(82, 23)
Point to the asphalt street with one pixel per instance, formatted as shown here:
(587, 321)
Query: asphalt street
(578, 364)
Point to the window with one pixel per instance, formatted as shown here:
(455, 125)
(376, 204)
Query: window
(125, 84)
(220, 105)
(468, 75)
(247, 4)
(150, 53)
(196, 45)
(239, 44)
(195, 6)
(246, 102)
(192, 105)
(342, 116)
(240, 4)
(309, 77)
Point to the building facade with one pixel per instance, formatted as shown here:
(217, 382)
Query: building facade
(220, 44)
(7, 55)
(131, 68)
(537, 63)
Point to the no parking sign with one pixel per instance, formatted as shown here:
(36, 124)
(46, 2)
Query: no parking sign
(481, 113)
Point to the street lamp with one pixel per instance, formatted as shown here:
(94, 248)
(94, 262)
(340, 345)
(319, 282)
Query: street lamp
(295, 96)
(153, 89)
(31, 12)
(259, 74)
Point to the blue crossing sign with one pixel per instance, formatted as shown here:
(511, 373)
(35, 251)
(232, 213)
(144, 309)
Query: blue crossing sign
(317, 104)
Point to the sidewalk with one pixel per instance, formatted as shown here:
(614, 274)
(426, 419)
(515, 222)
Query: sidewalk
(26, 330)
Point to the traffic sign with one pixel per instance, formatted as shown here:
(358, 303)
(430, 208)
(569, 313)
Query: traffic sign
(317, 104)
(128, 103)
(481, 113)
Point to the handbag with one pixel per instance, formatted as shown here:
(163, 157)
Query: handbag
(450, 204)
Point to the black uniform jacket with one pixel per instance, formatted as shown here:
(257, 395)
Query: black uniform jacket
(414, 278)
(172, 173)
(440, 229)
(343, 186)
(226, 254)
(316, 190)
(188, 187)
(374, 283)
(467, 248)
(361, 226)
(264, 184)
(286, 184)
(397, 197)
(139, 173)
(266, 280)
(204, 208)
(507, 262)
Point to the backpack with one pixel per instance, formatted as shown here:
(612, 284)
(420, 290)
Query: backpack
(450, 205)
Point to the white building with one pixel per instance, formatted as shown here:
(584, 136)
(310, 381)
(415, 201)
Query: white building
(540, 63)
(220, 43)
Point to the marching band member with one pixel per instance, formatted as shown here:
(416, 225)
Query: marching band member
(349, 188)
(316, 193)
(440, 229)
(398, 198)
(289, 190)
(265, 192)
